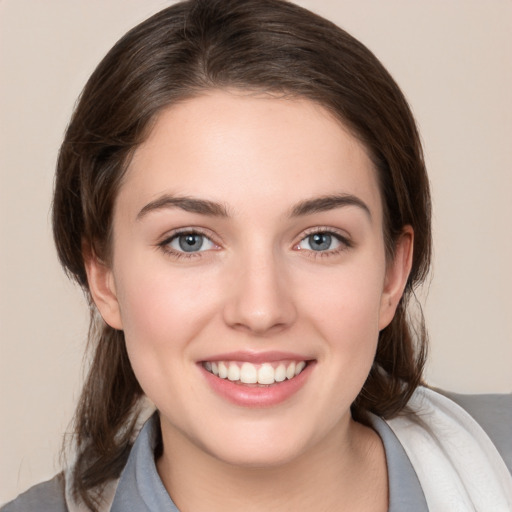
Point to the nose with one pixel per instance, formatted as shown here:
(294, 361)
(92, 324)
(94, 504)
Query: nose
(261, 300)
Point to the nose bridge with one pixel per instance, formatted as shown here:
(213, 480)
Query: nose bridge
(261, 299)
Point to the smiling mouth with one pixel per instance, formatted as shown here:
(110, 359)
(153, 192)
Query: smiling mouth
(255, 374)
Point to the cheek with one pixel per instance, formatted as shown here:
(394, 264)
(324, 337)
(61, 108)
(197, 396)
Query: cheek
(344, 308)
(162, 313)
(155, 299)
(346, 298)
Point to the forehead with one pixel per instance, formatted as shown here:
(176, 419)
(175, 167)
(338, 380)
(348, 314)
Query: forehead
(244, 149)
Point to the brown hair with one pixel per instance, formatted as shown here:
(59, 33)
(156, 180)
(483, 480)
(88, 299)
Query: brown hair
(265, 45)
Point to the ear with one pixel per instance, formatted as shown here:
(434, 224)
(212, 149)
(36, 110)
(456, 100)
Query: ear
(103, 291)
(397, 273)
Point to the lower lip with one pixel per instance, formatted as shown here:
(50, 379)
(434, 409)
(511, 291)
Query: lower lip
(257, 396)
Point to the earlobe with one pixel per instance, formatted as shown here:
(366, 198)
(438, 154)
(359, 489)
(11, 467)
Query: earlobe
(397, 274)
(103, 291)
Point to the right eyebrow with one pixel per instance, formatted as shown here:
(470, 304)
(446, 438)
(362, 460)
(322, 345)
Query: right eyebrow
(189, 204)
(330, 202)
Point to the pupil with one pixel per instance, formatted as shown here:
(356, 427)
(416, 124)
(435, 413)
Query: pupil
(190, 243)
(320, 241)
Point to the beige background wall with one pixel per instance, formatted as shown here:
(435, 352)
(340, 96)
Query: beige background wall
(454, 62)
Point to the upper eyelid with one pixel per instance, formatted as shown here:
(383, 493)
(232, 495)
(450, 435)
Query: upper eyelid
(341, 233)
(342, 236)
(170, 235)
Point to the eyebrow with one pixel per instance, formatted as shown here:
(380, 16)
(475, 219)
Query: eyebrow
(211, 208)
(326, 203)
(189, 204)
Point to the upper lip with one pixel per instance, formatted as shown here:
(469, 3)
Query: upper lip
(257, 357)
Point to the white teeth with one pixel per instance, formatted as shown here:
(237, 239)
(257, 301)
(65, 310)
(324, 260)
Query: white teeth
(266, 374)
(290, 371)
(223, 370)
(233, 372)
(299, 367)
(249, 373)
(280, 373)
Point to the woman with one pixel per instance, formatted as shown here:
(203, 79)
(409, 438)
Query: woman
(242, 195)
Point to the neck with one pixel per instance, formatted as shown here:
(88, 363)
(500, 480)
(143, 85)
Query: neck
(346, 471)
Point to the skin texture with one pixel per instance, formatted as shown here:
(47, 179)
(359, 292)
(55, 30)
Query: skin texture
(255, 286)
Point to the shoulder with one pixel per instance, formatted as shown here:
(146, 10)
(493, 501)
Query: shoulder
(494, 414)
(44, 497)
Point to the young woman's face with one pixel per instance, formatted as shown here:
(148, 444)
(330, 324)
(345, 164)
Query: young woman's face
(249, 274)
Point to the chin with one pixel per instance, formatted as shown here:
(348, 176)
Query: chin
(258, 456)
(260, 446)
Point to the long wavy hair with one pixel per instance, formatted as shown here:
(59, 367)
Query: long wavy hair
(194, 46)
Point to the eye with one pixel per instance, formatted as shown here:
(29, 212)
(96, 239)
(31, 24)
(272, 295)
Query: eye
(322, 241)
(189, 242)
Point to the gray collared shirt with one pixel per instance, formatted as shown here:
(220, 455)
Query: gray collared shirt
(140, 488)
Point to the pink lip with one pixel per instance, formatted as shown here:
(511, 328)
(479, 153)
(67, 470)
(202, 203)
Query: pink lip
(257, 396)
(257, 357)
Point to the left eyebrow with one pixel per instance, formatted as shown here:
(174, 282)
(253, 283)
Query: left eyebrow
(326, 203)
(188, 204)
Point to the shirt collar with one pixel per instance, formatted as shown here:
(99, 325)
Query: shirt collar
(140, 487)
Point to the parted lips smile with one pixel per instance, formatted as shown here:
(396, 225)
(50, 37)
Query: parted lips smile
(249, 378)
(248, 373)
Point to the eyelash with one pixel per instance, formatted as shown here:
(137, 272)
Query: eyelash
(164, 245)
(345, 243)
